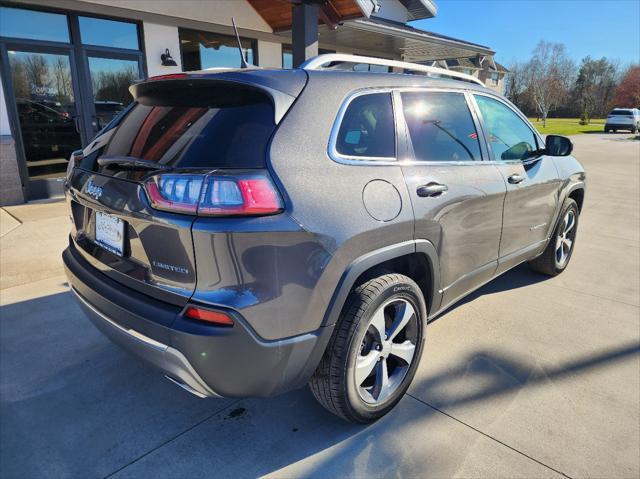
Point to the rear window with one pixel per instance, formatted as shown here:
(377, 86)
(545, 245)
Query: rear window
(194, 127)
(621, 113)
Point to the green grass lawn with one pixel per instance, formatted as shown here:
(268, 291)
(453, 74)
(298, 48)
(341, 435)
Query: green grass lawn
(567, 126)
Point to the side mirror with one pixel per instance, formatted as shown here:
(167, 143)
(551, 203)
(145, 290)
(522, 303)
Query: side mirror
(557, 145)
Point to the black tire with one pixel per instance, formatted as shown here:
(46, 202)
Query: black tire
(634, 130)
(333, 383)
(548, 263)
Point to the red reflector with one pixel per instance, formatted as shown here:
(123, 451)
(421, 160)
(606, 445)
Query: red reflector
(214, 317)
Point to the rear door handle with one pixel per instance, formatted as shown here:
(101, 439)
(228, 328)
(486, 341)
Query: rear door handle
(516, 178)
(431, 189)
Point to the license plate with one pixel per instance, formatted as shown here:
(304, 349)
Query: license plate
(110, 233)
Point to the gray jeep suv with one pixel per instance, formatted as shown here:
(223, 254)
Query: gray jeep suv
(251, 231)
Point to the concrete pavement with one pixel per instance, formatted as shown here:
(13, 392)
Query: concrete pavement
(529, 377)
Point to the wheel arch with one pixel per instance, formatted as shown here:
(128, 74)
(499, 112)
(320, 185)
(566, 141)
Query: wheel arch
(415, 259)
(577, 194)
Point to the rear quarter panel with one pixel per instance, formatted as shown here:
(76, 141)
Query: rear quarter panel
(326, 198)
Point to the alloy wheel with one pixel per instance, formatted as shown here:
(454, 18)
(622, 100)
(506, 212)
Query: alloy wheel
(565, 238)
(386, 351)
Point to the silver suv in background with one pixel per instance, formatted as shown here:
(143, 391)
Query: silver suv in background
(623, 119)
(251, 231)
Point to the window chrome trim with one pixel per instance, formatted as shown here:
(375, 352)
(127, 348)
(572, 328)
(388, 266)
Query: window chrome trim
(338, 157)
(397, 110)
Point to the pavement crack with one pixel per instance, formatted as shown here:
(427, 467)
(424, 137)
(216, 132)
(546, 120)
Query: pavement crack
(172, 438)
(491, 437)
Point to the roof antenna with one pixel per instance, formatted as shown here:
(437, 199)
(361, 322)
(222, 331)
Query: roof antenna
(243, 61)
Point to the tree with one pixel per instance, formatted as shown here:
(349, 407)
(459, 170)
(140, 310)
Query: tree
(516, 85)
(628, 92)
(114, 85)
(594, 87)
(549, 75)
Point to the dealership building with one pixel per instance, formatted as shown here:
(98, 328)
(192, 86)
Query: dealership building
(65, 65)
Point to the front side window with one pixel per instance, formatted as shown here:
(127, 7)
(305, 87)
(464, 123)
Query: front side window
(440, 126)
(367, 128)
(509, 136)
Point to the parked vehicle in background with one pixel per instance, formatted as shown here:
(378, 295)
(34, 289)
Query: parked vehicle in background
(47, 129)
(106, 111)
(623, 119)
(251, 231)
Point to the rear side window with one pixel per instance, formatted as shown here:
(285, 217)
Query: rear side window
(440, 126)
(367, 128)
(195, 127)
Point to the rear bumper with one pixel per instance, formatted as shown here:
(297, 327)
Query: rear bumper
(169, 360)
(206, 360)
(622, 126)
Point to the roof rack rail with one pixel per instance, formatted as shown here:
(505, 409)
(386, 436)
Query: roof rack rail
(317, 62)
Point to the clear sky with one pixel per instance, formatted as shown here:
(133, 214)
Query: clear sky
(512, 28)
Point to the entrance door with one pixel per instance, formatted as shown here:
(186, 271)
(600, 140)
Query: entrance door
(44, 87)
(65, 76)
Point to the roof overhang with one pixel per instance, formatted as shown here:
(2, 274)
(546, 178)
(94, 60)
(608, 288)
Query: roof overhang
(278, 14)
(419, 9)
(417, 45)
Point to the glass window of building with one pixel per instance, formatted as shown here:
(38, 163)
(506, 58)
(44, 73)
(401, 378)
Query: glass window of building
(33, 25)
(108, 33)
(287, 55)
(44, 91)
(365, 67)
(201, 50)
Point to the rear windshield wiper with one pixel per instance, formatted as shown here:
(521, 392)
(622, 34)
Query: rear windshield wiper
(131, 162)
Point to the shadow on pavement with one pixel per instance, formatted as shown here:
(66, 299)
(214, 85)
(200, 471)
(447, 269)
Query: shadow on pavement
(519, 277)
(72, 404)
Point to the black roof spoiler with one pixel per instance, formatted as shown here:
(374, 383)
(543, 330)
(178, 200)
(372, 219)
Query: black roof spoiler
(234, 79)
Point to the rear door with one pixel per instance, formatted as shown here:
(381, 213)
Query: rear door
(184, 130)
(457, 198)
(531, 179)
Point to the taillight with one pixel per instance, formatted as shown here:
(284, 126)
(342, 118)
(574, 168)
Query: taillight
(177, 193)
(241, 194)
(217, 318)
